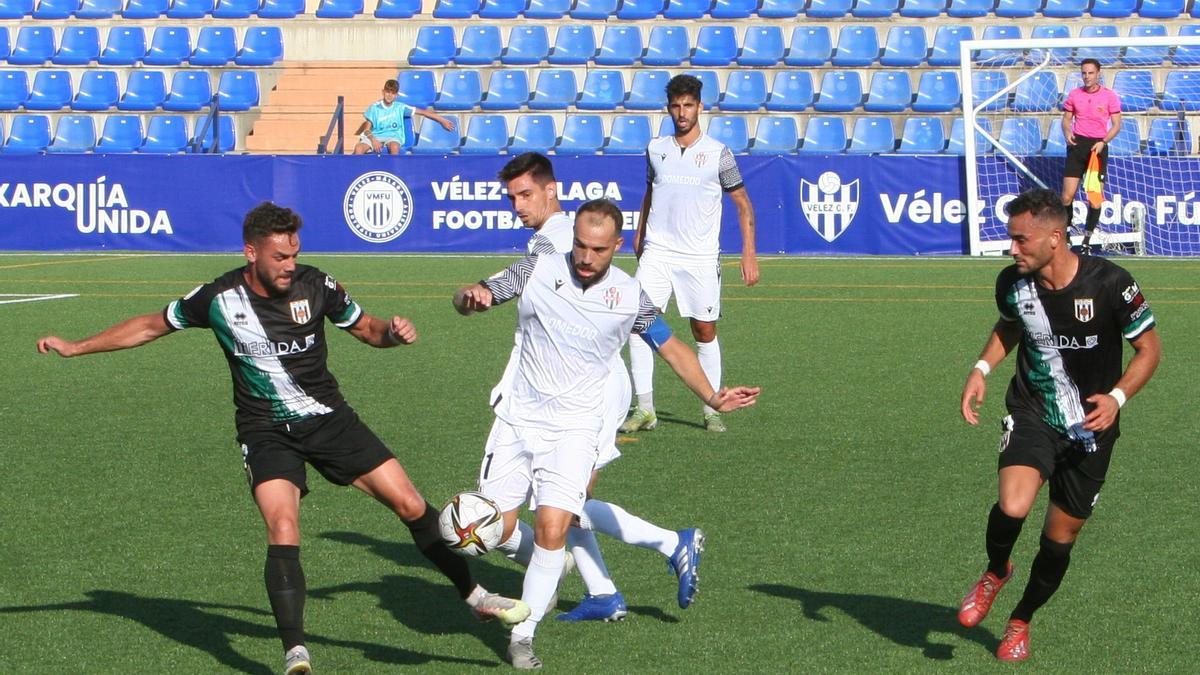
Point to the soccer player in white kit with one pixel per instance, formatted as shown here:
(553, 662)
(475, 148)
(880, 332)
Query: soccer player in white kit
(678, 241)
(575, 312)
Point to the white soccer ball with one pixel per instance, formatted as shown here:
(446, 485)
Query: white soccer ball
(471, 524)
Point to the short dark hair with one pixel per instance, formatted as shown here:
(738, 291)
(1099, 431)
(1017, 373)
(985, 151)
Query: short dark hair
(267, 219)
(605, 209)
(1042, 204)
(535, 164)
(391, 85)
(1094, 62)
(684, 85)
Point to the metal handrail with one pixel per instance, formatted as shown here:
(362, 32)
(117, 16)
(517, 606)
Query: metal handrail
(338, 120)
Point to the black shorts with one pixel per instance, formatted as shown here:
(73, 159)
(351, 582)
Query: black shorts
(1077, 158)
(1075, 475)
(338, 445)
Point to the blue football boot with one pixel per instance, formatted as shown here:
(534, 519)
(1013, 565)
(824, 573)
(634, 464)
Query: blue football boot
(609, 607)
(685, 563)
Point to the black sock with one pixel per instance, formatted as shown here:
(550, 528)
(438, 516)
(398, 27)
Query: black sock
(1002, 533)
(1093, 219)
(286, 589)
(428, 539)
(1047, 573)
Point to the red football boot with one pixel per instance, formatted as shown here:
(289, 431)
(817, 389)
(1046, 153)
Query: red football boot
(1014, 646)
(978, 602)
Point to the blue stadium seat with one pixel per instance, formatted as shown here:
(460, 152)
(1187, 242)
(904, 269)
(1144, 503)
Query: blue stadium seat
(461, 90)
(527, 46)
(1136, 89)
(555, 90)
(1056, 143)
(775, 136)
(235, 9)
(73, 133)
(945, 50)
(1000, 57)
(594, 10)
(1073, 81)
(480, 46)
(339, 9)
(970, 9)
(666, 126)
(434, 139)
(1039, 93)
(1160, 9)
(191, 90)
(810, 46)
(79, 45)
(238, 90)
(630, 135)
(51, 90)
(169, 46)
(745, 91)
(825, 135)
(1017, 9)
(395, 9)
(4, 46)
(1187, 56)
(573, 45)
(145, 9)
(456, 9)
(434, 47)
(791, 91)
(582, 135)
(1058, 31)
(417, 88)
(190, 9)
(857, 46)
(922, 9)
(668, 46)
(875, 9)
(125, 46)
(14, 89)
(144, 90)
(761, 46)
(1128, 140)
(1113, 9)
(33, 47)
(780, 9)
(547, 9)
(1065, 9)
(1021, 136)
(922, 136)
(27, 135)
(55, 9)
(507, 90)
(710, 87)
(1166, 137)
(890, 91)
(602, 90)
(937, 91)
(648, 91)
(261, 46)
(202, 126)
(715, 46)
(828, 9)
(215, 46)
(689, 9)
(957, 143)
(1146, 56)
(280, 9)
(841, 91)
(486, 135)
(634, 10)
(731, 9)
(501, 9)
(905, 47)
(533, 133)
(15, 9)
(984, 84)
(98, 90)
(165, 135)
(1105, 55)
(620, 46)
(730, 130)
(872, 135)
(121, 134)
(1181, 91)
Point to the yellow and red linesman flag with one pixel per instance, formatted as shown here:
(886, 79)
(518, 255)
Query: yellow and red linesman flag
(1092, 186)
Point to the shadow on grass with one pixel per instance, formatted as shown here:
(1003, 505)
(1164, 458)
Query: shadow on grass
(208, 627)
(671, 418)
(653, 613)
(907, 623)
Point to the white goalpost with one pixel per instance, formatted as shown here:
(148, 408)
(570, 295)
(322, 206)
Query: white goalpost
(1012, 93)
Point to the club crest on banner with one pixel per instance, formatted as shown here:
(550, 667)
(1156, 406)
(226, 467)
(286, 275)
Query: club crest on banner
(378, 207)
(300, 311)
(1084, 310)
(829, 204)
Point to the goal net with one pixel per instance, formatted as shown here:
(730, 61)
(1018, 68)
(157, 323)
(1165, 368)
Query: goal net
(1013, 91)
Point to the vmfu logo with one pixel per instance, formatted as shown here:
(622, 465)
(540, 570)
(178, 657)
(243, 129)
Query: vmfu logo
(829, 205)
(378, 207)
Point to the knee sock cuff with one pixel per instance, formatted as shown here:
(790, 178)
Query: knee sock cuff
(1055, 549)
(283, 551)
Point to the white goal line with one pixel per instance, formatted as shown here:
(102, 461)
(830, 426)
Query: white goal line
(14, 298)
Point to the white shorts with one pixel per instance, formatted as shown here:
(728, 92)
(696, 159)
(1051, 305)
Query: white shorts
(618, 392)
(544, 467)
(697, 288)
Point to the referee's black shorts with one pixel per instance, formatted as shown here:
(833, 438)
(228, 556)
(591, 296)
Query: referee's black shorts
(338, 445)
(1077, 158)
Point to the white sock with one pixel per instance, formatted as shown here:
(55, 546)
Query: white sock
(709, 354)
(541, 580)
(589, 562)
(623, 526)
(519, 547)
(641, 367)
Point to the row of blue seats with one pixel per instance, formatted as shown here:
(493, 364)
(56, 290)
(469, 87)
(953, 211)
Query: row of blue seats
(126, 46)
(1041, 93)
(152, 9)
(30, 134)
(145, 90)
(1167, 136)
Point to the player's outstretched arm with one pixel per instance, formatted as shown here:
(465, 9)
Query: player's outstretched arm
(133, 332)
(473, 298)
(1005, 335)
(384, 333)
(1147, 351)
(741, 199)
(683, 361)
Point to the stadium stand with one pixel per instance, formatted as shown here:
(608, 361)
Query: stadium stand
(824, 135)
(98, 90)
(872, 135)
(73, 133)
(775, 136)
(582, 135)
(121, 134)
(534, 133)
(630, 135)
(27, 135)
(165, 134)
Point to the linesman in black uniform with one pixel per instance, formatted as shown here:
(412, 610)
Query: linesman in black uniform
(269, 319)
(1067, 316)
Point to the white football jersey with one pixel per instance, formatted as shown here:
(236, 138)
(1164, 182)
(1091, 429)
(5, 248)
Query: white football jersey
(558, 231)
(684, 223)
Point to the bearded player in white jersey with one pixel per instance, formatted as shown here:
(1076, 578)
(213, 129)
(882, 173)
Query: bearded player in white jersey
(678, 241)
(574, 314)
